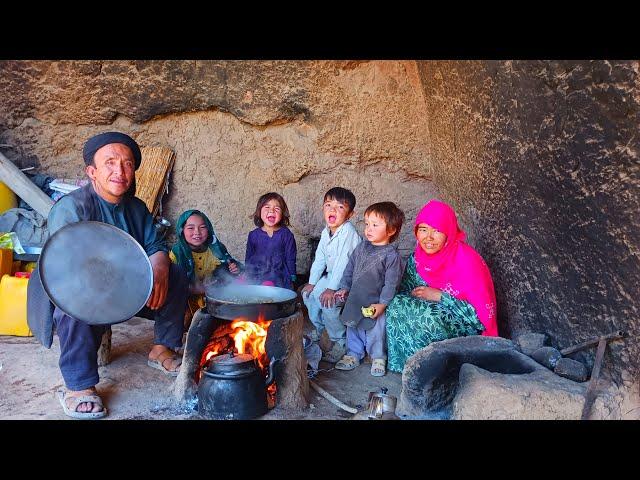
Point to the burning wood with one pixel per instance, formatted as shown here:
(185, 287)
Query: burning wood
(249, 337)
(242, 336)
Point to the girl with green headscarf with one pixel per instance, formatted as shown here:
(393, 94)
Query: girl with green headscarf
(200, 253)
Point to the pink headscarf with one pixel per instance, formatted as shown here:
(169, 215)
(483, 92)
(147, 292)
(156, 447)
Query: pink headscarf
(456, 269)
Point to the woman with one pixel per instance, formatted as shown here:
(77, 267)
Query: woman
(446, 290)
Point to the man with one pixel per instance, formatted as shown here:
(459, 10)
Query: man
(111, 159)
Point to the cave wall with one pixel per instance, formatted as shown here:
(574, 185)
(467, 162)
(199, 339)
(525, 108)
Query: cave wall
(239, 129)
(541, 158)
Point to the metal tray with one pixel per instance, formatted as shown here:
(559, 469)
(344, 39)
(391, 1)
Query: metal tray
(250, 301)
(96, 272)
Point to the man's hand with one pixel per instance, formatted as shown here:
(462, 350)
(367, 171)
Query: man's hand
(160, 266)
(233, 268)
(379, 309)
(427, 293)
(307, 289)
(326, 298)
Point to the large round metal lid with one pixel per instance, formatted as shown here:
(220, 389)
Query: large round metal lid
(96, 272)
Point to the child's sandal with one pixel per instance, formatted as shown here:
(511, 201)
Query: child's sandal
(347, 362)
(378, 367)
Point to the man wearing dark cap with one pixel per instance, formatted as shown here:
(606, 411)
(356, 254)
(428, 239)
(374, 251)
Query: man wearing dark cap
(111, 159)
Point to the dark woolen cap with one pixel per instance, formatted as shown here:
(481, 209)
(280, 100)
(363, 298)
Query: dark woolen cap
(98, 141)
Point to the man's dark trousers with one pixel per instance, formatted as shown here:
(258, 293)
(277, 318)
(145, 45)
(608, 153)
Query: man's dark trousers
(79, 341)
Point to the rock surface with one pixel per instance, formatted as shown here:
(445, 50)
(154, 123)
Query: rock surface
(540, 395)
(430, 376)
(571, 369)
(547, 356)
(239, 129)
(530, 342)
(541, 159)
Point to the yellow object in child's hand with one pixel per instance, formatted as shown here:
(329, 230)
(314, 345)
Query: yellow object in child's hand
(368, 311)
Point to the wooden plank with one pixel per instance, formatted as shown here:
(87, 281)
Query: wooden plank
(581, 346)
(17, 181)
(590, 394)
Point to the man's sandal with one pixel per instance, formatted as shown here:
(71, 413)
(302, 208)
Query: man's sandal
(378, 367)
(71, 410)
(347, 362)
(160, 360)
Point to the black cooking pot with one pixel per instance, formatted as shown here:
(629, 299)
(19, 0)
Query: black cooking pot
(233, 387)
(250, 301)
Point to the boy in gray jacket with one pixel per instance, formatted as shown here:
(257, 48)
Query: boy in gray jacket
(368, 284)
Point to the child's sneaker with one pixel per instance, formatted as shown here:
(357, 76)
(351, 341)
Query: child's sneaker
(347, 362)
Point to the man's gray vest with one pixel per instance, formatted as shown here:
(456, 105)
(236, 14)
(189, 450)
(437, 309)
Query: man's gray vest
(39, 307)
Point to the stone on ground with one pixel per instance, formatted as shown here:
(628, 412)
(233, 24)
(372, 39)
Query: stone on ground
(572, 369)
(530, 342)
(547, 356)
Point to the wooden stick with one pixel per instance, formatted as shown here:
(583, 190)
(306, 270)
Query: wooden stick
(23, 187)
(590, 393)
(581, 346)
(331, 398)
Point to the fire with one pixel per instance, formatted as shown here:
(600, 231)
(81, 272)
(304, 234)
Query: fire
(249, 337)
(241, 336)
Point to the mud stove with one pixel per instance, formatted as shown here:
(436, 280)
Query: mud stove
(242, 358)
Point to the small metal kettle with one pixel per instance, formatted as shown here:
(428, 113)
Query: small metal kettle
(233, 387)
(382, 406)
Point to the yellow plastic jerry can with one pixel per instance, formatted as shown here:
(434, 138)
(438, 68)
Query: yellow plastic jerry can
(8, 199)
(13, 305)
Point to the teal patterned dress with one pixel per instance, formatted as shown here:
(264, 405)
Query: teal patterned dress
(413, 323)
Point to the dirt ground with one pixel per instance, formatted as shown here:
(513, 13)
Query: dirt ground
(30, 377)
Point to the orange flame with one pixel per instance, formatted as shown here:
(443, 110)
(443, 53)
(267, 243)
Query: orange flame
(243, 336)
(240, 335)
(249, 337)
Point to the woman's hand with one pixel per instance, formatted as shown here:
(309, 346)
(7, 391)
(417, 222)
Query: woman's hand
(326, 298)
(427, 293)
(379, 309)
(233, 267)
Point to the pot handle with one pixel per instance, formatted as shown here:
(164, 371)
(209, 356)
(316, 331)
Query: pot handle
(271, 376)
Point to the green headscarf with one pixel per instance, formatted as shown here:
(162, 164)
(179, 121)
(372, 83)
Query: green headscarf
(182, 251)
